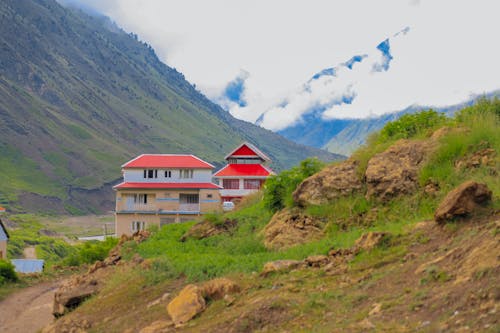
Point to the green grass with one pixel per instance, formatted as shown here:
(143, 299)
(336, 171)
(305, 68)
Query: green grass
(345, 219)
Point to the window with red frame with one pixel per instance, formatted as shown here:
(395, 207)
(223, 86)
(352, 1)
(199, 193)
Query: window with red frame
(252, 184)
(231, 184)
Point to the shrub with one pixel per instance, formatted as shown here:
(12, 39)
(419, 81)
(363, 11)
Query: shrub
(7, 272)
(278, 189)
(411, 125)
(90, 252)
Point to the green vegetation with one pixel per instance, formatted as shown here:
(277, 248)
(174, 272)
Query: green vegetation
(90, 252)
(30, 232)
(279, 188)
(345, 219)
(411, 125)
(7, 273)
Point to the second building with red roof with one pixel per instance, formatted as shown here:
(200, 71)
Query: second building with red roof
(244, 174)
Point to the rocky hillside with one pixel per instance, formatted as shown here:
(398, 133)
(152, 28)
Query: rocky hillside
(79, 96)
(402, 237)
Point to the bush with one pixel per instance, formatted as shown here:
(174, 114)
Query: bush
(411, 125)
(278, 189)
(7, 272)
(90, 252)
(482, 107)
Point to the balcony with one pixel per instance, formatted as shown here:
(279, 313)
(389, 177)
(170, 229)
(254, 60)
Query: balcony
(188, 207)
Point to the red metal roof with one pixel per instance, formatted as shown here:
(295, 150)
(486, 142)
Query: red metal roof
(167, 161)
(234, 170)
(247, 150)
(130, 185)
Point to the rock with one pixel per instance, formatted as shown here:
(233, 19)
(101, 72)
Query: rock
(68, 326)
(317, 261)
(186, 305)
(482, 157)
(291, 227)
(72, 293)
(218, 288)
(431, 188)
(462, 201)
(280, 266)
(377, 307)
(365, 324)
(159, 326)
(206, 229)
(395, 171)
(370, 240)
(330, 183)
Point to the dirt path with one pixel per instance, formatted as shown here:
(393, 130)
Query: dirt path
(28, 310)
(29, 253)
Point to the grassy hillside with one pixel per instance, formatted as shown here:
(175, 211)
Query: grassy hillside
(79, 96)
(421, 277)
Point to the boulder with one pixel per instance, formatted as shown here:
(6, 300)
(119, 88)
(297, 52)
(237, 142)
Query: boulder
(72, 293)
(186, 305)
(330, 183)
(206, 229)
(395, 171)
(291, 227)
(317, 260)
(218, 288)
(369, 240)
(280, 266)
(159, 326)
(462, 201)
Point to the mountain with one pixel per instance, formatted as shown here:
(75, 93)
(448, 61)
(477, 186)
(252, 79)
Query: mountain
(79, 96)
(343, 136)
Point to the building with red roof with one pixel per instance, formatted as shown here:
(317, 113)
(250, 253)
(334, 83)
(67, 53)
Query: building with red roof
(245, 172)
(159, 189)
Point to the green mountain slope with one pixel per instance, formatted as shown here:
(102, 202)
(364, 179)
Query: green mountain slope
(78, 97)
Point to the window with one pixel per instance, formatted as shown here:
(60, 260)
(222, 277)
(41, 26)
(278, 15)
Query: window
(138, 226)
(186, 173)
(189, 198)
(168, 174)
(140, 198)
(150, 173)
(252, 184)
(231, 184)
(209, 195)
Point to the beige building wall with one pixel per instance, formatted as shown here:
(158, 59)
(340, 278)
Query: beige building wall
(3, 249)
(209, 201)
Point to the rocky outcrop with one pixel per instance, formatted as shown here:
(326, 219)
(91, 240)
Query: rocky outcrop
(482, 157)
(206, 229)
(159, 326)
(330, 183)
(72, 293)
(318, 260)
(280, 266)
(395, 171)
(370, 240)
(186, 305)
(218, 288)
(462, 201)
(77, 289)
(290, 227)
(192, 300)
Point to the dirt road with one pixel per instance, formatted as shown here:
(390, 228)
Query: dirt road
(28, 310)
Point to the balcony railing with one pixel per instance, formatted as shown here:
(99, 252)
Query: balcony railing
(140, 207)
(185, 207)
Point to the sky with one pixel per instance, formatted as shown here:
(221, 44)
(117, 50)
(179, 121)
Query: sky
(273, 61)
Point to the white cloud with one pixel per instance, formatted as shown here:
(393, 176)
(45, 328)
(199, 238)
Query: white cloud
(449, 53)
